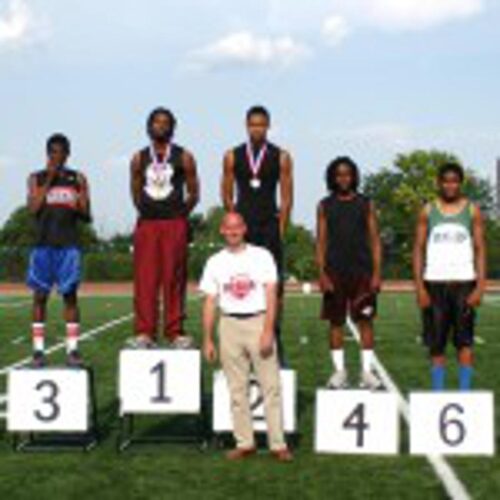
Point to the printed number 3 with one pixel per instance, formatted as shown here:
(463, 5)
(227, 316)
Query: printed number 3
(49, 400)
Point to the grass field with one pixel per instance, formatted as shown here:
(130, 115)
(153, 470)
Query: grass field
(182, 471)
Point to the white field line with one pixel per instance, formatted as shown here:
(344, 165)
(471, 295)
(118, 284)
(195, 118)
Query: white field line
(14, 305)
(454, 487)
(89, 334)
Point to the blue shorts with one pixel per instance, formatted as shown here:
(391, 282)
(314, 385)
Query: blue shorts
(51, 266)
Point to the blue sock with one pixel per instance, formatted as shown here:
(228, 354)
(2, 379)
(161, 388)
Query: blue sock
(437, 374)
(465, 377)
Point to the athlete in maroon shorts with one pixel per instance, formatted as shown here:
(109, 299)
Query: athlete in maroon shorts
(349, 259)
(160, 175)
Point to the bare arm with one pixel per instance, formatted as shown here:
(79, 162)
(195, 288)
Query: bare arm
(286, 190)
(267, 337)
(376, 247)
(418, 258)
(192, 182)
(321, 244)
(36, 193)
(83, 202)
(227, 184)
(479, 256)
(208, 320)
(136, 180)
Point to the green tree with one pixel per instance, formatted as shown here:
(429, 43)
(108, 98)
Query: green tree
(399, 193)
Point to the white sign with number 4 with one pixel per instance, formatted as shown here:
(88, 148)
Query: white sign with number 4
(357, 422)
(48, 399)
(157, 381)
(452, 423)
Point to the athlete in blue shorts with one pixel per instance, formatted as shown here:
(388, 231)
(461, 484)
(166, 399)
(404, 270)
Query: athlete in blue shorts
(58, 197)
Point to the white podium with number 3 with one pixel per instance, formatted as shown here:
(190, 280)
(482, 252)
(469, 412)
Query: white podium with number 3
(357, 422)
(452, 423)
(160, 381)
(48, 400)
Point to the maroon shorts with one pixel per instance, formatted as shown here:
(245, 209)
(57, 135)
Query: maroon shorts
(352, 296)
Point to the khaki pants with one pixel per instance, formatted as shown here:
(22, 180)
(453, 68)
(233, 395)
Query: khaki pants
(239, 351)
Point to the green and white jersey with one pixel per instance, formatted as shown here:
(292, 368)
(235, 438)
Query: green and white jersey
(450, 249)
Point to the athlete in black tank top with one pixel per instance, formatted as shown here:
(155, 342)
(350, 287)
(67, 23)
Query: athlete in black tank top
(164, 185)
(58, 198)
(349, 260)
(253, 175)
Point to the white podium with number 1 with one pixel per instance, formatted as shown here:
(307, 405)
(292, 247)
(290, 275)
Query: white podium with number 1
(160, 381)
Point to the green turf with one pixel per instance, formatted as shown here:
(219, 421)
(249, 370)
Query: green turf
(165, 471)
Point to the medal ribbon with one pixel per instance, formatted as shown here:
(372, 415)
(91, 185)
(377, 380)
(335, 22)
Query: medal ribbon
(255, 163)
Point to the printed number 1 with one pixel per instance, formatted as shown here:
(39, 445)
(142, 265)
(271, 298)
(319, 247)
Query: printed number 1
(161, 396)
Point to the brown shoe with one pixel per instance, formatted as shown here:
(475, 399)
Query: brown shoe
(240, 453)
(283, 455)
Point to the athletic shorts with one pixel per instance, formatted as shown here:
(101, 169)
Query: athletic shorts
(268, 235)
(448, 314)
(352, 296)
(50, 266)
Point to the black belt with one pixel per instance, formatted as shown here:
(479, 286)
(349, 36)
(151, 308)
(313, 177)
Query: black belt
(244, 315)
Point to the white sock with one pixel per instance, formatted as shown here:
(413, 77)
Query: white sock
(338, 359)
(72, 334)
(367, 360)
(38, 336)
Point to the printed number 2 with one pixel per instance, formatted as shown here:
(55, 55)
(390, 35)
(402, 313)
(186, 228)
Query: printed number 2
(356, 421)
(48, 400)
(161, 396)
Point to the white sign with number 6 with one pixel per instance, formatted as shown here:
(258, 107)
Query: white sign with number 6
(452, 423)
(156, 381)
(48, 399)
(357, 422)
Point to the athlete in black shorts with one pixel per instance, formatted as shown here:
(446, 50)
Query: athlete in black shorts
(256, 170)
(349, 260)
(450, 273)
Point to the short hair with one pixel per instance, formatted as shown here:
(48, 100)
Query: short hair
(331, 171)
(453, 167)
(58, 140)
(258, 110)
(161, 111)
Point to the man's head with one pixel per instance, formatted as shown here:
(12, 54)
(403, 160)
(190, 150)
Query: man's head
(161, 125)
(450, 178)
(58, 150)
(233, 229)
(258, 123)
(342, 176)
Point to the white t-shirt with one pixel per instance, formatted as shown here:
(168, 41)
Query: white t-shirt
(238, 279)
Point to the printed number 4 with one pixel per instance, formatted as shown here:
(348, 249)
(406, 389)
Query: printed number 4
(356, 422)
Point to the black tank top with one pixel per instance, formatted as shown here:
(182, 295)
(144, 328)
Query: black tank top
(257, 204)
(348, 246)
(165, 201)
(57, 221)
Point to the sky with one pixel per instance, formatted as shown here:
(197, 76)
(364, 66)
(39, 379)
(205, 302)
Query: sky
(367, 78)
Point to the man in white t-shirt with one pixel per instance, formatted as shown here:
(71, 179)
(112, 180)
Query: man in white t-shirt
(241, 281)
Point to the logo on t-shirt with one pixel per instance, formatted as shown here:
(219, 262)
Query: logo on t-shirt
(239, 286)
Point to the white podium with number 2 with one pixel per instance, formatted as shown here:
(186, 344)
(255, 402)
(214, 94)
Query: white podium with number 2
(357, 422)
(48, 400)
(452, 423)
(222, 419)
(158, 381)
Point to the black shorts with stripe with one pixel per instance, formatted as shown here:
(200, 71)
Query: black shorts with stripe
(449, 315)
